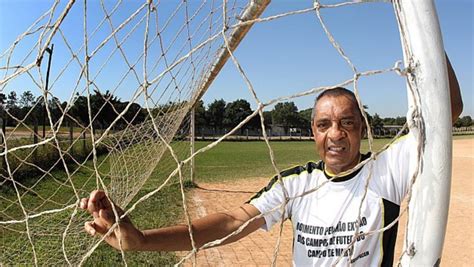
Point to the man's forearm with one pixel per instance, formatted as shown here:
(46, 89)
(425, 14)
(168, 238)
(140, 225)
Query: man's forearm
(207, 229)
(454, 91)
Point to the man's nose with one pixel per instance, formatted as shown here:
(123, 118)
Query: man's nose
(336, 132)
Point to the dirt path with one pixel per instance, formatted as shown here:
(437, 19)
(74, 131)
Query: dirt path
(254, 250)
(257, 249)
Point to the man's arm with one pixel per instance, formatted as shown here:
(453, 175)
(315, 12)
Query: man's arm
(456, 99)
(174, 238)
(206, 229)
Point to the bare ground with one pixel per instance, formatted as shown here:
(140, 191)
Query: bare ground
(257, 249)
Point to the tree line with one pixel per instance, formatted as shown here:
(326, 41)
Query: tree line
(217, 115)
(104, 109)
(220, 114)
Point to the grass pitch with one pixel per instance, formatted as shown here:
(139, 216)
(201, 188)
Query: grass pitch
(240, 160)
(227, 161)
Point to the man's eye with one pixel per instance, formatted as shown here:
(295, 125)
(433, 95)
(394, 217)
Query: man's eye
(347, 123)
(322, 125)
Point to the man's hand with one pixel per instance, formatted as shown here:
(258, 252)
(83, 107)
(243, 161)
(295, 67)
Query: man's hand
(125, 236)
(173, 238)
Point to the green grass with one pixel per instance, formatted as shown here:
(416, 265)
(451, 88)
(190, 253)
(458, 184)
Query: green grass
(227, 161)
(240, 160)
(29, 128)
(161, 210)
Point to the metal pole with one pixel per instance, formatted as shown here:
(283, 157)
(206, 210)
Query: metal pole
(50, 52)
(428, 86)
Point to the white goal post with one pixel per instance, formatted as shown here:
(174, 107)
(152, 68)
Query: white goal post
(428, 89)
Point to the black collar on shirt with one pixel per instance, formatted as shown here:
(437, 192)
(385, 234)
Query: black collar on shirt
(344, 177)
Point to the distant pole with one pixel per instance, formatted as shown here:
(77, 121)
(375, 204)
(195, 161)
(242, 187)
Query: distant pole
(50, 52)
(35, 139)
(71, 136)
(191, 139)
(84, 145)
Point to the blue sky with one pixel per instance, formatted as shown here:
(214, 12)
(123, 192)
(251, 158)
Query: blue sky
(280, 57)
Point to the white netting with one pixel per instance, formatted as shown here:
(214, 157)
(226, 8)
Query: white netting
(158, 56)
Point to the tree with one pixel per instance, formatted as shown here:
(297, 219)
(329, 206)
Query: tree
(267, 116)
(37, 113)
(134, 115)
(256, 123)
(79, 110)
(285, 115)
(3, 99)
(200, 115)
(305, 118)
(235, 112)
(377, 122)
(11, 100)
(457, 123)
(388, 121)
(103, 108)
(215, 114)
(400, 120)
(26, 102)
(12, 108)
(465, 121)
(27, 99)
(54, 105)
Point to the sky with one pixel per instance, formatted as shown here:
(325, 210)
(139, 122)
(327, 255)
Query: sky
(280, 57)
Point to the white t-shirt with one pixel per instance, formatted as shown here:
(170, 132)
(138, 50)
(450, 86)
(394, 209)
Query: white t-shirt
(324, 221)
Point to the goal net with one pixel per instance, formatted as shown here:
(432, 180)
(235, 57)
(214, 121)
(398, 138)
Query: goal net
(105, 100)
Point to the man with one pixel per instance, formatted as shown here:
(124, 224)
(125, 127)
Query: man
(325, 222)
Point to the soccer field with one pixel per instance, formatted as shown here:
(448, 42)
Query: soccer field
(227, 162)
(235, 160)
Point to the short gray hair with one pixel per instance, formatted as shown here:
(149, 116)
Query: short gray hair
(338, 91)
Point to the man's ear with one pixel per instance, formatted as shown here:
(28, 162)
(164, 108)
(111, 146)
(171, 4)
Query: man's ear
(313, 128)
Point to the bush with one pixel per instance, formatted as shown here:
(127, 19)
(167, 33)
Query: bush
(28, 164)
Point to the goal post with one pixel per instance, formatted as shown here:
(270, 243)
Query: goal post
(428, 88)
(254, 9)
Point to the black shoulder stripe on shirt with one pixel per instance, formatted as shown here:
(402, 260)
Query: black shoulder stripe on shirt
(310, 166)
(391, 211)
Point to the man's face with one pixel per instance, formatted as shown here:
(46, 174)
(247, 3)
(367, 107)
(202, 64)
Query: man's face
(337, 129)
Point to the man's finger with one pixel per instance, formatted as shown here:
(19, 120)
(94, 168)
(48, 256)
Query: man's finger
(94, 228)
(83, 203)
(89, 227)
(94, 201)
